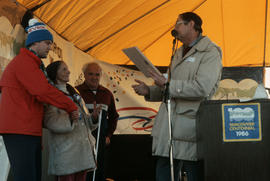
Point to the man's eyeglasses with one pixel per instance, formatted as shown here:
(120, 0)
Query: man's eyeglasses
(179, 23)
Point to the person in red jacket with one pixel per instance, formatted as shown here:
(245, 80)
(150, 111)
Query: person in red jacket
(24, 87)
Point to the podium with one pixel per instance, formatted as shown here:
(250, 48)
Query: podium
(232, 160)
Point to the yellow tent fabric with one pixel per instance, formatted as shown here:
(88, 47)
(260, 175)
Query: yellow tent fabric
(102, 28)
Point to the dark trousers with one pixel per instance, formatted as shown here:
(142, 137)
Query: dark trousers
(100, 171)
(163, 169)
(24, 153)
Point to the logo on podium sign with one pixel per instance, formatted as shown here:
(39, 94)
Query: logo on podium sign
(241, 122)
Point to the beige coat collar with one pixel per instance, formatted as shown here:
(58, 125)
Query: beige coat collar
(203, 45)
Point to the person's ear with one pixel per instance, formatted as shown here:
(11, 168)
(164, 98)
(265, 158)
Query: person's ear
(192, 24)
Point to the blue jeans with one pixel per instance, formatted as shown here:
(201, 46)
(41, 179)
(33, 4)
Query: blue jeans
(163, 170)
(192, 168)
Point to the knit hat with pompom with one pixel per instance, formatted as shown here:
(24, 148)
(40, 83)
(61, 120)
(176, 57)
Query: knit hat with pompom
(37, 32)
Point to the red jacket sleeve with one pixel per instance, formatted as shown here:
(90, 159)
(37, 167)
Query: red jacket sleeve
(35, 82)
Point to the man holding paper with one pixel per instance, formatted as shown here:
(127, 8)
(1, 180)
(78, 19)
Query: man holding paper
(194, 74)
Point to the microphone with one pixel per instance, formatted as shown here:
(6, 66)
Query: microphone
(174, 33)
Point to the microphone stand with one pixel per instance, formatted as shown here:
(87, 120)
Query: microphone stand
(167, 101)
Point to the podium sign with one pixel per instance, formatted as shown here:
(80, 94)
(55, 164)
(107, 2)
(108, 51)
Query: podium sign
(241, 122)
(233, 140)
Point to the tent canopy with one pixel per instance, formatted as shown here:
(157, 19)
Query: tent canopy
(102, 28)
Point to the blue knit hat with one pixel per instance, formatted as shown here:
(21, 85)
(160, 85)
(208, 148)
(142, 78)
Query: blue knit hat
(37, 32)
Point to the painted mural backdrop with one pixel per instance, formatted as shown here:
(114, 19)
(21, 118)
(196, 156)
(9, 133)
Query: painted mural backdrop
(136, 115)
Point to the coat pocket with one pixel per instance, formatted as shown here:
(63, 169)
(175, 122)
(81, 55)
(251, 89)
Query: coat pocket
(184, 128)
(184, 124)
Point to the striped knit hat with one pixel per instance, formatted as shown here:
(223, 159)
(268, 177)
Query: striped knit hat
(37, 32)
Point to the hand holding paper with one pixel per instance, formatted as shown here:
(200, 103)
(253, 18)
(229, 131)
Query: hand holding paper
(160, 80)
(142, 63)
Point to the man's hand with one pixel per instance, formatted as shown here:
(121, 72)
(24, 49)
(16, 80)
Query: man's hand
(74, 116)
(141, 88)
(160, 80)
(96, 111)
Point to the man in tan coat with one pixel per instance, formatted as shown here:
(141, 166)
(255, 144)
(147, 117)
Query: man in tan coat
(194, 73)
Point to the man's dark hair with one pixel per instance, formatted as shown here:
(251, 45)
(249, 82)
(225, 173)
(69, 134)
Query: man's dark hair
(188, 16)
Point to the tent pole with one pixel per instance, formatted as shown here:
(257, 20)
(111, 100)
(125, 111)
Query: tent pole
(265, 37)
(265, 32)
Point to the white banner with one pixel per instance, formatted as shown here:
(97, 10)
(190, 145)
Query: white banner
(4, 166)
